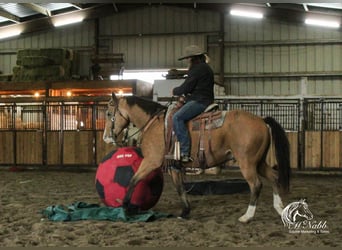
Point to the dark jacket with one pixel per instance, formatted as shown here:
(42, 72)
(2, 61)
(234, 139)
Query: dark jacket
(199, 85)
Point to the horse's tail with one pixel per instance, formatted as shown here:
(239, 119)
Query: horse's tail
(282, 153)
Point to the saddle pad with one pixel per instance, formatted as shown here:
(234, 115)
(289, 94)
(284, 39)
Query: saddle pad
(212, 120)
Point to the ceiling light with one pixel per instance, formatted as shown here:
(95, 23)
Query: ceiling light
(8, 34)
(68, 21)
(244, 13)
(323, 23)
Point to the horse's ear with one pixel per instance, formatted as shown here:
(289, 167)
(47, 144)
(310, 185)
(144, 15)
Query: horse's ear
(114, 100)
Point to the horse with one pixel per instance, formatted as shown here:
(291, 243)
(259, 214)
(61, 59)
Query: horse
(295, 212)
(249, 138)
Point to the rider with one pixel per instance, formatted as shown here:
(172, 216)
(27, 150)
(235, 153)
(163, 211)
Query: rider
(198, 89)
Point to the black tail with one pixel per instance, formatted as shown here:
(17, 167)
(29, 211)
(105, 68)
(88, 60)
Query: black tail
(282, 153)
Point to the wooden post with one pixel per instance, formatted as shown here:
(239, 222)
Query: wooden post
(44, 137)
(221, 46)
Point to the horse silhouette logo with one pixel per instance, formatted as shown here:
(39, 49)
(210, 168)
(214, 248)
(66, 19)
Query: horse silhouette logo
(295, 213)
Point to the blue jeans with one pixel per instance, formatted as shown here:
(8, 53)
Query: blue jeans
(188, 111)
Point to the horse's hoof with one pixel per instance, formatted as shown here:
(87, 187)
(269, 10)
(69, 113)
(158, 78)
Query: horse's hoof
(130, 208)
(245, 219)
(185, 214)
(183, 217)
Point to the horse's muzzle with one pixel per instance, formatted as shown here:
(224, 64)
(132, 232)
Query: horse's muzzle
(108, 139)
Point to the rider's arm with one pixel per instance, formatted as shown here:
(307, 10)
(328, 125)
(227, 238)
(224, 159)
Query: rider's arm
(189, 84)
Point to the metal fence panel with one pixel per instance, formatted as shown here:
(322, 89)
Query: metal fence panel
(323, 115)
(285, 112)
(59, 128)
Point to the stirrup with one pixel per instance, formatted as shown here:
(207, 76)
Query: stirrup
(194, 171)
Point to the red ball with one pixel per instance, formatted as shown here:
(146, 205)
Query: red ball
(114, 174)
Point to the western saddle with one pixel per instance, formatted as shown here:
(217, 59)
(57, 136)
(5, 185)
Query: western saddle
(210, 119)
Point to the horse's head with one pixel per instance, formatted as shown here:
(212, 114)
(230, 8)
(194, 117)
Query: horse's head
(116, 120)
(303, 210)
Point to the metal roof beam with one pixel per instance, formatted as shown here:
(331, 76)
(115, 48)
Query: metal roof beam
(37, 8)
(44, 23)
(77, 6)
(115, 8)
(9, 16)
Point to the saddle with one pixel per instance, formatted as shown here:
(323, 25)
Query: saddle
(211, 118)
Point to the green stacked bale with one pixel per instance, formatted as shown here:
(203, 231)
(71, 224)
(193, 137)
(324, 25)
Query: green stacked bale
(36, 61)
(52, 64)
(26, 52)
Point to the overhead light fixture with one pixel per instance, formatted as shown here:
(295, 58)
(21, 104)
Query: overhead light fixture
(11, 33)
(322, 23)
(245, 13)
(67, 21)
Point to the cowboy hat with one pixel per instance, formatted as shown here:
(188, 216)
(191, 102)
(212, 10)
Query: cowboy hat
(192, 50)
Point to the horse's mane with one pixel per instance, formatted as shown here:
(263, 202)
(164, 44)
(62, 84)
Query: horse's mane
(148, 106)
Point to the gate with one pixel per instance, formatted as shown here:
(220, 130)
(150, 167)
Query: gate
(323, 133)
(52, 133)
(59, 132)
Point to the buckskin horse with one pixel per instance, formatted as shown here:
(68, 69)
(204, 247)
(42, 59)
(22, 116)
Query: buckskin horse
(259, 145)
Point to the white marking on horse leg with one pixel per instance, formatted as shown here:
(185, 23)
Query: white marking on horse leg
(248, 215)
(277, 203)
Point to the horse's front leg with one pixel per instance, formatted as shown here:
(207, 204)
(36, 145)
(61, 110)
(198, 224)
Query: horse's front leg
(126, 203)
(177, 179)
(145, 168)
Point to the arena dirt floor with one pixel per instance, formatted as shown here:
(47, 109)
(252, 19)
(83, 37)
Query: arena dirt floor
(213, 222)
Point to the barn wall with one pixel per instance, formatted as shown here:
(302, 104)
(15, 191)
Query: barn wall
(292, 49)
(153, 51)
(155, 36)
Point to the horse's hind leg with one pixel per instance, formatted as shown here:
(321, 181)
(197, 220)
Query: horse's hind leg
(249, 172)
(271, 174)
(177, 179)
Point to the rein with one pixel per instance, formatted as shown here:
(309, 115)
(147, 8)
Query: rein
(144, 128)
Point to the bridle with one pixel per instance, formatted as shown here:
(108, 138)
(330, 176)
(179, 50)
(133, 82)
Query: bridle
(142, 129)
(112, 119)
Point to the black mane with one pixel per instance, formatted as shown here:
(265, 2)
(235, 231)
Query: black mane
(150, 107)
